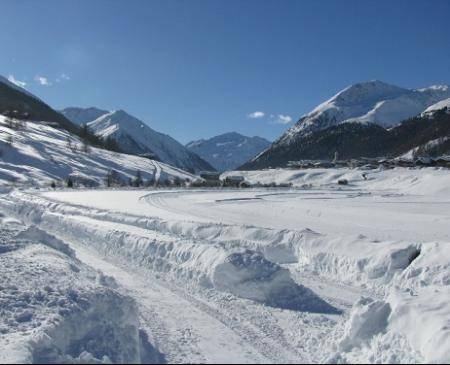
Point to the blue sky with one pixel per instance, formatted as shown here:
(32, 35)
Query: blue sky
(194, 69)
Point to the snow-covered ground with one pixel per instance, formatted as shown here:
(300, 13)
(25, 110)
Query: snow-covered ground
(54, 308)
(320, 272)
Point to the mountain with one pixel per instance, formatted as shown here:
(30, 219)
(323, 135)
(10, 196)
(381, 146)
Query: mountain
(228, 151)
(37, 154)
(135, 137)
(360, 108)
(18, 102)
(419, 136)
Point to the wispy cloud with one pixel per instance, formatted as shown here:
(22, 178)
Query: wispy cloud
(62, 77)
(282, 119)
(16, 82)
(42, 80)
(256, 115)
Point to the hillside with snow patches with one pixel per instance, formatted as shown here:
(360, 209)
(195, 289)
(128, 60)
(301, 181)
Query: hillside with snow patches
(35, 154)
(228, 151)
(135, 137)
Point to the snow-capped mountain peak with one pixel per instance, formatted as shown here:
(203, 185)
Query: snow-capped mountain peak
(367, 102)
(136, 137)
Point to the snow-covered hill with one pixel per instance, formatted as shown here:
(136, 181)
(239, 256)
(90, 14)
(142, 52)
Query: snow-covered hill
(367, 102)
(228, 151)
(136, 137)
(36, 154)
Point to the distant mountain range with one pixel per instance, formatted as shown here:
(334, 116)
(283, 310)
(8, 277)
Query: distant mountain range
(133, 136)
(228, 151)
(363, 120)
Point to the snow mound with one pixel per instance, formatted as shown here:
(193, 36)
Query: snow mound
(368, 318)
(249, 275)
(35, 234)
(53, 310)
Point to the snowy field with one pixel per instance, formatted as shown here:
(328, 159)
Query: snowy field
(320, 272)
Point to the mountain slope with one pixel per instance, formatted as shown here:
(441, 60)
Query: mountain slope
(20, 103)
(81, 116)
(228, 151)
(368, 104)
(421, 135)
(37, 154)
(135, 137)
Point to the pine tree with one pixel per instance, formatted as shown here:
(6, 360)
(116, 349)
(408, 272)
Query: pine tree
(138, 179)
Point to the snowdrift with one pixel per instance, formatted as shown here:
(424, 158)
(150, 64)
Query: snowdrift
(243, 272)
(55, 310)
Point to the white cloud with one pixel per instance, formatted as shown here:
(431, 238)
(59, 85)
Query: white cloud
(16, 82)
(283, 119)
(256, 115)
(42, 80)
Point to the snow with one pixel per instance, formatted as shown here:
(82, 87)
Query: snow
(53, 309)
(40, 154)
(313, 273)
(438, 106)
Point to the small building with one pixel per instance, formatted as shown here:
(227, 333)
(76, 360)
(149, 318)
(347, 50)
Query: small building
(210, 179)
(210, 175)
(233, 181)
